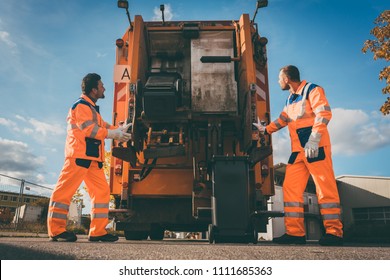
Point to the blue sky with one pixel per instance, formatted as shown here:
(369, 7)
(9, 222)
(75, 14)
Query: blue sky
(46, 47)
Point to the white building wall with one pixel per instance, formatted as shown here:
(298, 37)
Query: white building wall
(28, 213)
(275, 227)
(75, 210)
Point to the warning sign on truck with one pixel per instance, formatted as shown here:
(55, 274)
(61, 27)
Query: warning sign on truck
(122, 74)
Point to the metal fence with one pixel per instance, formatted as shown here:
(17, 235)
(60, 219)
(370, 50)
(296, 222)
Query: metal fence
(16, 192)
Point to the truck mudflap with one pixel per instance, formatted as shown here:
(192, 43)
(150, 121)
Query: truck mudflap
(258, 154)
(127, 154)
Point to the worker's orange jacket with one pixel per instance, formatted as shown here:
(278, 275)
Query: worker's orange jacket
(86, 131)
(306, 111)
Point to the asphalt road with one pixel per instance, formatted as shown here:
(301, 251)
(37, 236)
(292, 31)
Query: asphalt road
(39, 248)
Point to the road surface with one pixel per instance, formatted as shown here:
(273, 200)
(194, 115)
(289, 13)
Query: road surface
(39, 248)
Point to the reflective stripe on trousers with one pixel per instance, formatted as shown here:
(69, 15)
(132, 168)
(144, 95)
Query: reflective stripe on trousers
(58, 210)
(330, 211)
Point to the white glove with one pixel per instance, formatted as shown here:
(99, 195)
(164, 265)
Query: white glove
(259, 126)
(311, 147)
(119, 133)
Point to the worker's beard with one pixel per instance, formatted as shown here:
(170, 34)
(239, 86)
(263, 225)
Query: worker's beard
(286, 87)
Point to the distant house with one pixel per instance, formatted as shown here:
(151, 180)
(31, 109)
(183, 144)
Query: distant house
(365, 203)
(11, 199)
(26, 212)
(29, 214)
(9, 203)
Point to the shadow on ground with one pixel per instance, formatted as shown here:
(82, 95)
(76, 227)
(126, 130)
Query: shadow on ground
(11, 252)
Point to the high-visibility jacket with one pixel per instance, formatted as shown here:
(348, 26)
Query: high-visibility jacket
(306, 111)
(86, 131)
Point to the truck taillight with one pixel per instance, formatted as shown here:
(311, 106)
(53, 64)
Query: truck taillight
(118, 167)
(264, 170)
(124, 192)
(263, 41)
(119, 43)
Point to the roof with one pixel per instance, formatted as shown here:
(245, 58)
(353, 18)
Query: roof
(27, 191)
(281, 168)
(362, 177)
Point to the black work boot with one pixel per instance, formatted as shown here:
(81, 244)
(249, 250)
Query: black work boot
(289, 239)
(331, 240)
(104, 238)
(66, 236)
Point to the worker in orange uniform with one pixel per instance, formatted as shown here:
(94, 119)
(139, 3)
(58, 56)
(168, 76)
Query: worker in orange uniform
(307, 114)
(84, 157)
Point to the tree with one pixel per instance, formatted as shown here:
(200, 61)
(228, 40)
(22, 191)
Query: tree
(78, 197)
(381, 49)
(106, 167)
(44, 203)
(107, 163)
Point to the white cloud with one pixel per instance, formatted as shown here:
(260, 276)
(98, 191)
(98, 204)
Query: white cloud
(45, 129)
(100, 55)
(41, 131)
(281, 146)
(40, 177)
(352, 132)
(5, 37)
(356, 132)
(37, 127)
(18, 161)
(7, 123)
(19, 117)
(28, 131)
(168, 14)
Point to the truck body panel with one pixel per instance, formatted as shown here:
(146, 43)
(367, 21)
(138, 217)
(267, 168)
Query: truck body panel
(191, 91)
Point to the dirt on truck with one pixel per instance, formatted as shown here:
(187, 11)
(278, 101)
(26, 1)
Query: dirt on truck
(191, 90)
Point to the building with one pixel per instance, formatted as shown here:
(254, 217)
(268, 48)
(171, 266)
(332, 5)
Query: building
(11, 199)
(15, 207)
(11, 202)
(365, 202)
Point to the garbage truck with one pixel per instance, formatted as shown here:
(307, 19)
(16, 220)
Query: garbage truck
(195, 163)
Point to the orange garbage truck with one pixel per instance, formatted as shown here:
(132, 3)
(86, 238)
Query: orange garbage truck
(195, 162)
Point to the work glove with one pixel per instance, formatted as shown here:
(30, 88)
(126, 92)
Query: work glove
(311, 147)
(260, 126)
(120, 133)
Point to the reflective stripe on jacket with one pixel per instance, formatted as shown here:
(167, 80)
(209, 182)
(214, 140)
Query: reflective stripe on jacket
(306, 112)
(86, 131)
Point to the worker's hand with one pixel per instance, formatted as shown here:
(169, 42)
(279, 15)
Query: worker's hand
(311, 147)
(119, 133)
(124, 126)
(260, 126)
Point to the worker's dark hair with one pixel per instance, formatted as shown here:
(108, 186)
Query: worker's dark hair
(89, 82)
(291, 72)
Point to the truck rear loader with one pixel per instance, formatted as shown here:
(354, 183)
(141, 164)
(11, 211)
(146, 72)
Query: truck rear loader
(195, 163)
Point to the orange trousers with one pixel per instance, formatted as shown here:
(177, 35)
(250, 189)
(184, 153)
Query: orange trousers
(297, 174)
(68, 182)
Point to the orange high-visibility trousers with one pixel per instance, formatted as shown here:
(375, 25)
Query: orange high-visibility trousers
(297, 174)
(68, 182)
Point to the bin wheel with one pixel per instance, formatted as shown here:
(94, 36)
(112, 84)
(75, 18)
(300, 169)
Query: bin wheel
(211, 231)
(156, 232)
(255, 236)
(135, 235)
